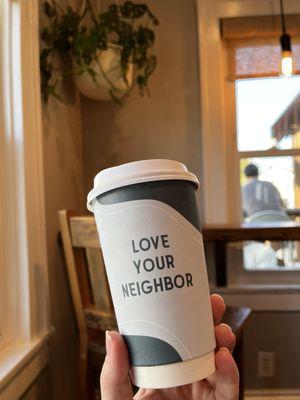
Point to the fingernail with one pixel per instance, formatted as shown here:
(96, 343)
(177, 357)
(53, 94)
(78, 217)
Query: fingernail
(219, 296)
(228, 326)
(225, 348)
(108, 342)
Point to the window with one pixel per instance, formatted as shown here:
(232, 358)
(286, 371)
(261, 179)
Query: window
(268, 130)
(224, 29)
(24, 315)
(268, 113)
(223, 158)
(267, 121)
(267, 139)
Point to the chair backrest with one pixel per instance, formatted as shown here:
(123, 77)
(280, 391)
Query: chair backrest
(269, 216)
(86, 271)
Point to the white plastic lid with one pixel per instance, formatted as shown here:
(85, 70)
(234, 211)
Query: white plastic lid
(138, 172)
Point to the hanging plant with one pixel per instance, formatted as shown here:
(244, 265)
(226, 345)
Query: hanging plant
(106, 53)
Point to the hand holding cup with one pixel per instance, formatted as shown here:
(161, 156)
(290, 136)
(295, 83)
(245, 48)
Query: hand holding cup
(222, 385)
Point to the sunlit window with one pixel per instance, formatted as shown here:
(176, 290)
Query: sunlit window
(268, 143)
(261, 104)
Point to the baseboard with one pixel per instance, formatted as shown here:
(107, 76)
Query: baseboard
(273, 392)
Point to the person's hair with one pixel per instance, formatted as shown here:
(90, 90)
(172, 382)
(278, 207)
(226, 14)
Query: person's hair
(251, 171)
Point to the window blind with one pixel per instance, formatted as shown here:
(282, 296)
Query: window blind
(253, 48)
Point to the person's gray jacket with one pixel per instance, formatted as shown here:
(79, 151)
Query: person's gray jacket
(260, 195)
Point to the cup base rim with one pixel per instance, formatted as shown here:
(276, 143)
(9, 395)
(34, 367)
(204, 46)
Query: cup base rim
(177, 374)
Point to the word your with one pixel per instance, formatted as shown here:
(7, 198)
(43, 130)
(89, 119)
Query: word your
(149, 264)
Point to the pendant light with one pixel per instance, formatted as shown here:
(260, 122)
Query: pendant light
(286, 47)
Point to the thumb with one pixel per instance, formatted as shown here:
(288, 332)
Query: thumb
(227, 376)
(114, 379)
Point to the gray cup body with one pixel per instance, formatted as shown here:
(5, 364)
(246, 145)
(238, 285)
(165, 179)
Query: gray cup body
(181, 196)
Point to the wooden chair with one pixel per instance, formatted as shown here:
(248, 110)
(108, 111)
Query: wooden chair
(90, 293)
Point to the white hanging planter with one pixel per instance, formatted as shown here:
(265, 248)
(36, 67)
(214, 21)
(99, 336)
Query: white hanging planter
(109, 76)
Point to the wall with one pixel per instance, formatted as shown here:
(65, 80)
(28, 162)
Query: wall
(276, 332)
(64, 189)
(41, 389)
(63, 172)
(167, 124)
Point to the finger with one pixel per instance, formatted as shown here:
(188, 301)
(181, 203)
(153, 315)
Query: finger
(226, 376)
(114, 379)
(218, 307)
(224, 336)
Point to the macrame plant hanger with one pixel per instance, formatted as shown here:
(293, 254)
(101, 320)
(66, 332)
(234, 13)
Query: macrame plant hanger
(96, 5)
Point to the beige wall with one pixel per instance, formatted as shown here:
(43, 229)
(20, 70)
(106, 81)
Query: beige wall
(166, 125)
(64, 189)
(41, 389)
(276, 332)
(63, 172)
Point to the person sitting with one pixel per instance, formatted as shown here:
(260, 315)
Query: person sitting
(259, 196)
(261, 203)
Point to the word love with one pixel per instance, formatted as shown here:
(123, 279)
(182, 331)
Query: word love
(158, 262)
(154, 242)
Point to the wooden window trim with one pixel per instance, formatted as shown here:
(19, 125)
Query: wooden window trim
(23, 255)
(264, 26)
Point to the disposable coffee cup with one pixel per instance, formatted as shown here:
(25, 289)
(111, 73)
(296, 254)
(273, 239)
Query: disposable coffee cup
(148, 225)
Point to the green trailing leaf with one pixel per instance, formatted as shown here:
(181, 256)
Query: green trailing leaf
(150, 66)
(77, 43)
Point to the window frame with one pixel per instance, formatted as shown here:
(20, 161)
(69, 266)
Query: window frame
(220, 164)
(237, 155)
(217, 93)
(23, 253)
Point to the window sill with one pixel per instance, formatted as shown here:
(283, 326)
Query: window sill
(262, 297)
(259, 289)
(21, 364)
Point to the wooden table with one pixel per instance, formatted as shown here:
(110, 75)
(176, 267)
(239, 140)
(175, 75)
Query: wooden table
(222, 234)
